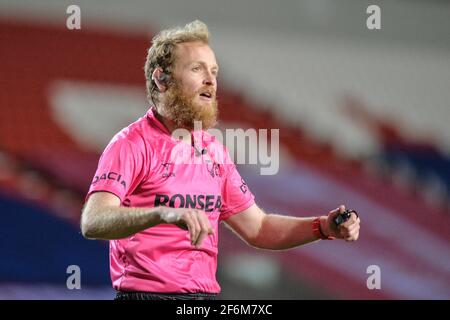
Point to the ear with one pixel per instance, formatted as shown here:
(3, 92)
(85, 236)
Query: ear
(157, 75)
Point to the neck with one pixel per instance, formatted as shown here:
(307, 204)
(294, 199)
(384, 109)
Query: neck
(170, 125)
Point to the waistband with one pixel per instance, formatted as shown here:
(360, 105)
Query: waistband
(132, 295)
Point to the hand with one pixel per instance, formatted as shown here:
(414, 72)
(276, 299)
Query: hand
(193, 220)
(349, 230)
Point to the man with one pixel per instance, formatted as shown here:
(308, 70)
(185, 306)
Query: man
(161, 214)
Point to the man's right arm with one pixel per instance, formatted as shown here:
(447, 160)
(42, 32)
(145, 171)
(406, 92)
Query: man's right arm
(104, 218)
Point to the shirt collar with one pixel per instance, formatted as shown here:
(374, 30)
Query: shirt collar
(202, 136)
(154, 120)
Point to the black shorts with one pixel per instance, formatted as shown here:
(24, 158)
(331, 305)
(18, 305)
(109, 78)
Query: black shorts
(126, 295)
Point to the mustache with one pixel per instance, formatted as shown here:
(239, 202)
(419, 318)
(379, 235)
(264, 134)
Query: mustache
(212, 92)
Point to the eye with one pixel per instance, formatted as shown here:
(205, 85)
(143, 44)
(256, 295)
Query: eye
(196, 68)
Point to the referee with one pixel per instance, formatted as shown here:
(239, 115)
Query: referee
(162, 215)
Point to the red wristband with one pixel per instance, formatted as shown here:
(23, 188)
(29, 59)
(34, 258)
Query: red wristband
(317, 231)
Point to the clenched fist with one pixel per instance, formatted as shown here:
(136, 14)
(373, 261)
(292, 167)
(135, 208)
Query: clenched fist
(348, 230)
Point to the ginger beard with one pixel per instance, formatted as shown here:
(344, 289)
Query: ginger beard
(183, 110)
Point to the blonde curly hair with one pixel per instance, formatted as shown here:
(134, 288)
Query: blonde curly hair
(161, 53)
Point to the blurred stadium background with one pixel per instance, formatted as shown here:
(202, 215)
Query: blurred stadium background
(363, 118)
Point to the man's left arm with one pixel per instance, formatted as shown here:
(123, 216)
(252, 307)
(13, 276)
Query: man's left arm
(278, 232)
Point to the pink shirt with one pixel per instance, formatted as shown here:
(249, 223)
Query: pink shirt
(141, 165)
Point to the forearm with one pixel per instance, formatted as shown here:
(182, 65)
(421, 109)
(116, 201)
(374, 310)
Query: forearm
(110, 223)
(283, 232)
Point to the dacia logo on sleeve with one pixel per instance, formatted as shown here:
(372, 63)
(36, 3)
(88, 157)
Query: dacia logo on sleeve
(110, 176)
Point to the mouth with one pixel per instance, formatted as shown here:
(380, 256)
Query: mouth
(206, 95)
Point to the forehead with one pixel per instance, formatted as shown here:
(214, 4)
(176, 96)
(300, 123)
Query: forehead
(188, 52)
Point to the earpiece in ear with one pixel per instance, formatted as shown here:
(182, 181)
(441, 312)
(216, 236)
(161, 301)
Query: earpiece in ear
(163, 78)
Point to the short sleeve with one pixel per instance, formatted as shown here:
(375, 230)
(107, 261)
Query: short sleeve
(119, 169)
(236, 195)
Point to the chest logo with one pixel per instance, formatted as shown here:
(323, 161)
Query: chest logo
(213, 169)
(168, 170)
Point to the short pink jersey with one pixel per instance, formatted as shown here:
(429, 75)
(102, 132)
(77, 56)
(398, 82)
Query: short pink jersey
(141, 165)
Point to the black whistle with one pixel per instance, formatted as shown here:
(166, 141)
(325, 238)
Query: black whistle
(344, 216)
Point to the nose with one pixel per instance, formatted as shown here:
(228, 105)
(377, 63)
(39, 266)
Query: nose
(209, 79)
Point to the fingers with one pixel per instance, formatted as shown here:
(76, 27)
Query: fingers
(205, 229)
(353, 220)
(337, 211)
(195, 221)
(198, 225)
(194, 226)
(350, 229)
(352, 235)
